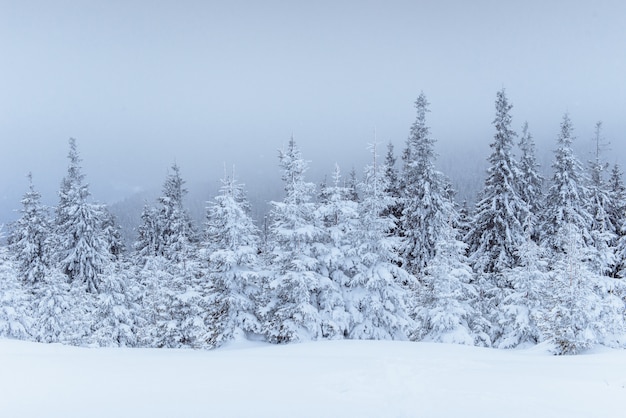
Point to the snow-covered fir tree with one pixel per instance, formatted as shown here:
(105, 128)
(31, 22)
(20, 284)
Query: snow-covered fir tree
(339, 216)
(231, 249)
(572, 317)
(617, 195)
(497, 231)
(29, 241)
(115, 319)
(167, 230)
(82, 251)
(290, 309)
(379, 292)
(445, 311)
(518, 313)
(112, 232)
(566, 205)
(393, 188)
(352, 186)
(599, 206)
(617, 214)
(530, 183)
(15, 319)
(426, 207)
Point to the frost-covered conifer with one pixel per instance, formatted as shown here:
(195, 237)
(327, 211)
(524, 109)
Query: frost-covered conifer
(572, 306)
(566, 205)
(497, 229)
(29, 239)
(167, 230)
(290, 310)
(82, 251)
(115, 316)
(517, 315)
(15, 319)
(112, 233)
(445, 311)
(379, 291)
(340, 219)
(426, 206)
(530, 183)
(599, 207)
(231, 248)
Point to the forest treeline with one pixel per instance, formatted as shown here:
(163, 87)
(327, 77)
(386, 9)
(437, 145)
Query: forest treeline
(388, 254)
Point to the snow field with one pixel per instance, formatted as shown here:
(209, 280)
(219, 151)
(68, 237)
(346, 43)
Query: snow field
(320, 379)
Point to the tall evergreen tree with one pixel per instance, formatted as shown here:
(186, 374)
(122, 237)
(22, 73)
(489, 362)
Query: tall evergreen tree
(15, 321)
(599, 206)
(167, 230)
(232, 242)
(290, 310)
(497, 230)
(566, 201)
(29, 241)
(83, 251)
(445, 312)
(530, 183)
(426, 207)
(379, 294)
(617, 214)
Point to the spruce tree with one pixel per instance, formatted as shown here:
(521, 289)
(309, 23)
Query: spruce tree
(166, 230)
(29, 241)
(231, 248)
(379, 292)
(445, 311)
(83, 251)
(599, 206)
(426, 206)
(339, 216)
(566, 204)
(290, 310)
(15, 318)
(498, 226)
(530, 184)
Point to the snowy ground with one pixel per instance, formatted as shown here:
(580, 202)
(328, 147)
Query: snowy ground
(322, 379)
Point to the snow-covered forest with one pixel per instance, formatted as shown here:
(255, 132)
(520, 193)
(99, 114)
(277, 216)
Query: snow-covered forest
(387, 253)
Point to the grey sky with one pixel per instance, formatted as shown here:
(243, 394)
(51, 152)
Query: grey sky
(143, 83)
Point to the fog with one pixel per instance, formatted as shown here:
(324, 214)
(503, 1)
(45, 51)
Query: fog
(143, 84)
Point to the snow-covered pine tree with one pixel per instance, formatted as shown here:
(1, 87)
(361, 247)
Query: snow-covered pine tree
(231, 248)
(115, 320)
(167, 230)
(497, 230)
(15, 319)
(426, 206)
(498, 227)
(573, 309)
(617, 195)
(340, 218)
(520, 309)
(112, 232)
(393, 188)
(445, 311)
(290, 310)
(29, 239)
(530, 183)
(82, 249)
(379, 291)
(599, 206)
(352, 186)
(617, 213)
(566, 205)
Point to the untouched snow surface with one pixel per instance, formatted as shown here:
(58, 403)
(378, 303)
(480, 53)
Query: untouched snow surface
(321, 379)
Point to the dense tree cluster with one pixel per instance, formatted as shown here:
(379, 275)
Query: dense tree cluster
(390, 256)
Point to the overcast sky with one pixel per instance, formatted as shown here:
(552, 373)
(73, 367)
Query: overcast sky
(142, 84)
